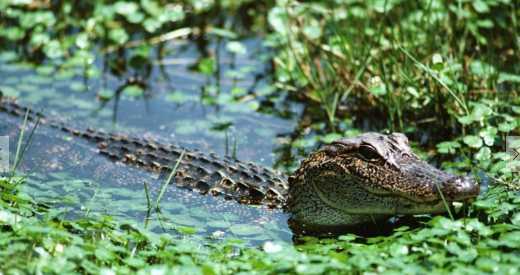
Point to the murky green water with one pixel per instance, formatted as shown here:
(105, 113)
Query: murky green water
(223, 110)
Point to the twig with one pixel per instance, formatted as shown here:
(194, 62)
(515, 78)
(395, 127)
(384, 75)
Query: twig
(178, 33)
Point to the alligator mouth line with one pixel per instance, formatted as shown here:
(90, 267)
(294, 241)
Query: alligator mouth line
(428, 207)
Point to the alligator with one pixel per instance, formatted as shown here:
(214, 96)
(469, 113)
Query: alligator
(351, 182)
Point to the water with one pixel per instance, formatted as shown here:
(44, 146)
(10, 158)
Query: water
(222, 111)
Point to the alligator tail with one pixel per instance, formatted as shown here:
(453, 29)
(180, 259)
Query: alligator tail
(205, 173)
(9, 105)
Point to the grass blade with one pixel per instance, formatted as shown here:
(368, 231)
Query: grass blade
(20, 140)
(436, 77)
(167, 182)
(445, 202)
(147, 193)
(27, 144)
(148, 204)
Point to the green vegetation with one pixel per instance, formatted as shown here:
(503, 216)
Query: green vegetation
(440, 71)
(36, 239)
(446, 73)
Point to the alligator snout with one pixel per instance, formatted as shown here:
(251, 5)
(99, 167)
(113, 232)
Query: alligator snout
(460, 188)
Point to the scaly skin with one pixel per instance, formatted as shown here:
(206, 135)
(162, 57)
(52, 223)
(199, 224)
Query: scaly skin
(347, 183)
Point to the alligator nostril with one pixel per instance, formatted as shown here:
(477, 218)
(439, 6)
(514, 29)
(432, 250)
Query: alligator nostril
(461, 188)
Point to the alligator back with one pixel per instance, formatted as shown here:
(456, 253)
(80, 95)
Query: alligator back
(246, 183)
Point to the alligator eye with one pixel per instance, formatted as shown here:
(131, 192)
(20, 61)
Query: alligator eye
(368, 153)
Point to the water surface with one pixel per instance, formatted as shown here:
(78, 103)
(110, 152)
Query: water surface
(222, 111)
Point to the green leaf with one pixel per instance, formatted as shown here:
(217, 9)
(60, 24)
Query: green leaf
(378, 90)
(488, 265)
(133, 91)
(173, 13)
(126, 8)
(480, 112)
(277, 18)
(77, 86)
(187, 230)
(151, 24)
(82, 41)
(506, 127)
(53, 49)
(481, 69)
(45, 70)
(253, 105)
(331, 137)
(105, 94)
(448, 147)
(119, 36)
(207, 66)
(135, 17)
(489, 135)
(483, 154)
(480, 6)
(152, 7)
(511, 239)
(177, 97)
(238, 91)
(465, 120)
(473, 141)
(13, 33)
(437, 62)
(312, 31)
(38, 39)
(516, 109)
(506, 77)
(236, 48)
(479, 227)
(486, 23)
(104, 254)
(516, 219)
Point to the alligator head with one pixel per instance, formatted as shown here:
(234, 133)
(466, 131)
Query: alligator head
(370, 177)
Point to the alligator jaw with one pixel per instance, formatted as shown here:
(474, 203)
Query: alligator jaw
(430, 190)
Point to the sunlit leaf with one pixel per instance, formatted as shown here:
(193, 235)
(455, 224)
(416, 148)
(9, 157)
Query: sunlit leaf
(473, 141)
(207, 66)
(53, 49)
(448, 147)
(119, 36)
(480, 6)
(236, 47)
(126, 8)
(133, 91)
(483, 154)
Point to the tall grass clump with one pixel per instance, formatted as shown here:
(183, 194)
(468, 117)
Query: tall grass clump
(446, 73)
